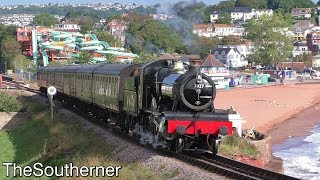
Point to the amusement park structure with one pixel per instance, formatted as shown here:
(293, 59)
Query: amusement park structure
(60, 45)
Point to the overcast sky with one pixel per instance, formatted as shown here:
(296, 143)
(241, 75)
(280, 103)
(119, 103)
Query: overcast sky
(145, 2)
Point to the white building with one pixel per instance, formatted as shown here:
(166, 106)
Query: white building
(231, 57)
(302, 13)
(212, 30)
(242, 13)
(244, 49)
(299, 48)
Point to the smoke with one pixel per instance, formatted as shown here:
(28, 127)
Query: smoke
(185, 14)
(148, 138)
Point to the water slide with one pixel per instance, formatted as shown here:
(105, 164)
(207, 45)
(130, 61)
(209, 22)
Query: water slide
(45, 58)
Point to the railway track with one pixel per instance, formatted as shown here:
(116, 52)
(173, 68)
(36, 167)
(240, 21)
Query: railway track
(218, 165)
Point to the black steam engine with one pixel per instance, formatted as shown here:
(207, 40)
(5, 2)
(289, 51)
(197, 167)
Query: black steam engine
(165, 102)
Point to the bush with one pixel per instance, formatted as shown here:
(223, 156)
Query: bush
(9, 103)
(236, 146)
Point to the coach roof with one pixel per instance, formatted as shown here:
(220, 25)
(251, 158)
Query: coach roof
(112, 69)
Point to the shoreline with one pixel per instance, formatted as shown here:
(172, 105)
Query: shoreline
(296, 125)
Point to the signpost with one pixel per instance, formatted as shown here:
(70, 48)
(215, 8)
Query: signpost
(51, 92)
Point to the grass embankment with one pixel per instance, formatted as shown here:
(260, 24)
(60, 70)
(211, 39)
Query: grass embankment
(236, 146)
(59, 141)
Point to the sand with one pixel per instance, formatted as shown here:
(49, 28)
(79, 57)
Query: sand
(281, 111)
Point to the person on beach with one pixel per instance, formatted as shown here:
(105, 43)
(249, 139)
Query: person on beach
(283, 74)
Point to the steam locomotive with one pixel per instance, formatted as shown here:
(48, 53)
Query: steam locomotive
(167, 101)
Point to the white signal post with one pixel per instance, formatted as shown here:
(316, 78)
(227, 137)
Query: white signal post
(51, 92)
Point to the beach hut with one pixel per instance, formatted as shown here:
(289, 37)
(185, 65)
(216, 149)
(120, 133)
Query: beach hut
(216, 70)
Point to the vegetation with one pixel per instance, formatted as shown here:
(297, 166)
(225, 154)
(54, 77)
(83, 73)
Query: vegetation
(106, 36)
(9, 47)
(307, 58)
(272, 44)
(234, 145)
(45, 20)
(60, 141)
(287, 5)
(9, 103)
(255, 4)
(224, 18)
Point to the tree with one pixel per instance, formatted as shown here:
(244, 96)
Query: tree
(307, 58)
(45, 20)
(272, 44)
(231, 40)
(9, 49)
(256, 4)
(287, 5)
(87, 25)
(224, 18)
(109, 38)
(84, 57)
(223, 5)
(203, 45)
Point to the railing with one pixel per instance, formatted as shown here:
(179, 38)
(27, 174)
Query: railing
(23, 75)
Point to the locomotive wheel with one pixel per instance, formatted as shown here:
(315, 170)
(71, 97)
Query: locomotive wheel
(215, 147)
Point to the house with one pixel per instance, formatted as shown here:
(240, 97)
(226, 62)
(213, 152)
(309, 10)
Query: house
(244, 49)
(68, 27)
(231, 57)
(242, 14)
(212, 30)
(313, 41)
(301, 13)
(299, 48)
(117, 27)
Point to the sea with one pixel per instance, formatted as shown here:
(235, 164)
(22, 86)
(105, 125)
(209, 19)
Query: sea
(301, 155)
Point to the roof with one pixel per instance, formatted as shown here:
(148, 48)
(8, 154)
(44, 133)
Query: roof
(202, 26)
(225, 50)
(303, 24)
(223, 25)
(166, 56)
(211, 61)
(112, 69)
(292, 65)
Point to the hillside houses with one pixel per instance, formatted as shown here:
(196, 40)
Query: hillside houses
(301, 13)
(242, 14)
(220, 30)
(117, 28)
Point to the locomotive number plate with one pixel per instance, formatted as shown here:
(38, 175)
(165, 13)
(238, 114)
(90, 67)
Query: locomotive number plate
(199, 86)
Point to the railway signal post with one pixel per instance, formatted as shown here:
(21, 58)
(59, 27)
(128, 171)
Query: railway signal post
(51, 92)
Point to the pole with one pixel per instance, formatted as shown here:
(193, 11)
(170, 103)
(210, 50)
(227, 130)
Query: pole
(51, 105)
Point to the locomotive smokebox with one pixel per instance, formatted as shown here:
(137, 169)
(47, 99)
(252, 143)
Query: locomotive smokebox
(194, 65)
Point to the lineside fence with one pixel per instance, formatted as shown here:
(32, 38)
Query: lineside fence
(20, 74)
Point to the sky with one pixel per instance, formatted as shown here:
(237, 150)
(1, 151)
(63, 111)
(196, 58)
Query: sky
(143, 2)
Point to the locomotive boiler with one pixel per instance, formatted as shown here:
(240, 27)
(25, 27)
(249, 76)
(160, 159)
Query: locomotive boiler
(167, 101)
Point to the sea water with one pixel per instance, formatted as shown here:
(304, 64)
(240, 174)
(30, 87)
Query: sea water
(301, 155)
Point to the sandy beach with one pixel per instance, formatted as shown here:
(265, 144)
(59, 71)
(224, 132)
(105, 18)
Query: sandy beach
(281, 111)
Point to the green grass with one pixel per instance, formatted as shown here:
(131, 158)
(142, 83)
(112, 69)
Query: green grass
(58, 142)
(172, 174)
(236, 146)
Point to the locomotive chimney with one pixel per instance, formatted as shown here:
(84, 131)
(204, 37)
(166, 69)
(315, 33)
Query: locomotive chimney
(194, 65)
